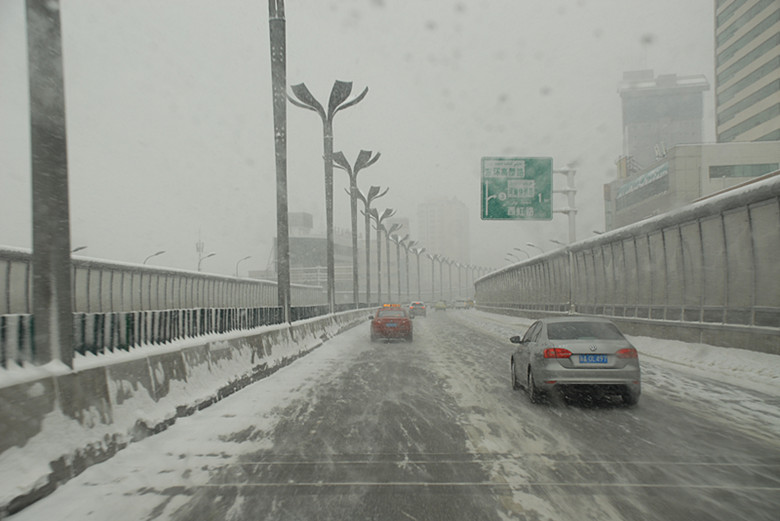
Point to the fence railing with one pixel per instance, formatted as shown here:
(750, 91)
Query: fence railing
(108, 287)
(99, 333)
(117, 305)
(716, 262)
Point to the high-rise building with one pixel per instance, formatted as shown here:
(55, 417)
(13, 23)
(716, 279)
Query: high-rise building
(444, 228)
(747, 104)
(659, 113)
(747, 70)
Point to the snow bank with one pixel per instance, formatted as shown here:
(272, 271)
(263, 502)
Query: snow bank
(55, 422)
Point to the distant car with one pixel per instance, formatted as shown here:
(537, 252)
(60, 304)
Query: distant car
(575, 354)
(417, 309)
(440, 306)
(464, 303)
(391, 321)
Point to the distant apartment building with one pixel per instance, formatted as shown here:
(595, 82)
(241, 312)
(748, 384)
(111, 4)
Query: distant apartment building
(659, 113)
(444, 229)
(747, 70)
(747, 106)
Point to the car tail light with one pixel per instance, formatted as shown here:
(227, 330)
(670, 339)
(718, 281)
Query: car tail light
(627, 352)
(557, 352)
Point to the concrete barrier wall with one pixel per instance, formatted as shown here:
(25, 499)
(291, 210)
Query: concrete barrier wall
(55, 422)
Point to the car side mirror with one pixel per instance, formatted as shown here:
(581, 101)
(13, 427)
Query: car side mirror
(516, 340)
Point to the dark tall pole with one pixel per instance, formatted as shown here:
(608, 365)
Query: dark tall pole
(279, 88)
(388, 231)
(338, 96)
(408, 246)
(399, 243)
(388, 212)
(433, 258)
(51, 289)
(364, 160)
(418, 252)
(373, 193)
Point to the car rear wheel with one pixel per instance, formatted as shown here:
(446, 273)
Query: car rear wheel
(534, 394)
(630, 399)
(409, 337)
(515, 385)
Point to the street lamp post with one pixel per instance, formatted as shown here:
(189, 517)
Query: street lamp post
(203, 257)
(338, 101)
(441, 276)
(532, 245)
(408, 246)
(434, 257)
(373, 193)
(364, 160)
(388, 232)
(378, 219)
(240, 261)
(418, 252)
(153, 255)
(523, 251)
(278, 41)
(460, 278)
(399, 243)
(449, 274)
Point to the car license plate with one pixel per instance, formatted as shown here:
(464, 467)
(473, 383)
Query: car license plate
(391, 324)
(593, 359)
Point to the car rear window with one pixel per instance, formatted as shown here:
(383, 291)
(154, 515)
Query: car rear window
(391, 313)
(583, 331)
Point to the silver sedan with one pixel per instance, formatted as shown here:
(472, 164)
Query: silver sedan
(575, 354)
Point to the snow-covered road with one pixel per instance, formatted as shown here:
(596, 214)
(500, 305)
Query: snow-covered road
(433, 430)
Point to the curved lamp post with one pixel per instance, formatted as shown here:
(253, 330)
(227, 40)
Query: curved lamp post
(532, 245)
(523, 251)
(417, 252)
(441, 260)
(449, 262)
(364, 160)
(240, 261)
(434, 257)
(338, 101)
(201, 258)
(373, 193)
(408, 246)
(388, 232)
(460, 278)
(399, 243)
(153, 255)
(378, 219)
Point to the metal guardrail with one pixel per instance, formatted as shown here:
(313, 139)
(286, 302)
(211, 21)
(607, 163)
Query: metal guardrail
(108, 287)
(712, 263)
(117, 305)
(99, 333)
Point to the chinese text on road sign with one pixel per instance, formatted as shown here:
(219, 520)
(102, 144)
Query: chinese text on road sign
(516, 188)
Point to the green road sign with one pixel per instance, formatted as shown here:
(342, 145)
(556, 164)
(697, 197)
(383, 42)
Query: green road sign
(517, 188)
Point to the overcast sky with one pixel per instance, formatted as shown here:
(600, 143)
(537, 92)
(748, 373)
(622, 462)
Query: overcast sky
(170, 133)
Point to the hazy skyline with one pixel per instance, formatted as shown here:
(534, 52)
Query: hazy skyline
(170, 129)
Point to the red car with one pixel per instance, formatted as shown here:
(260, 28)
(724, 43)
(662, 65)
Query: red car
(391, 322)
